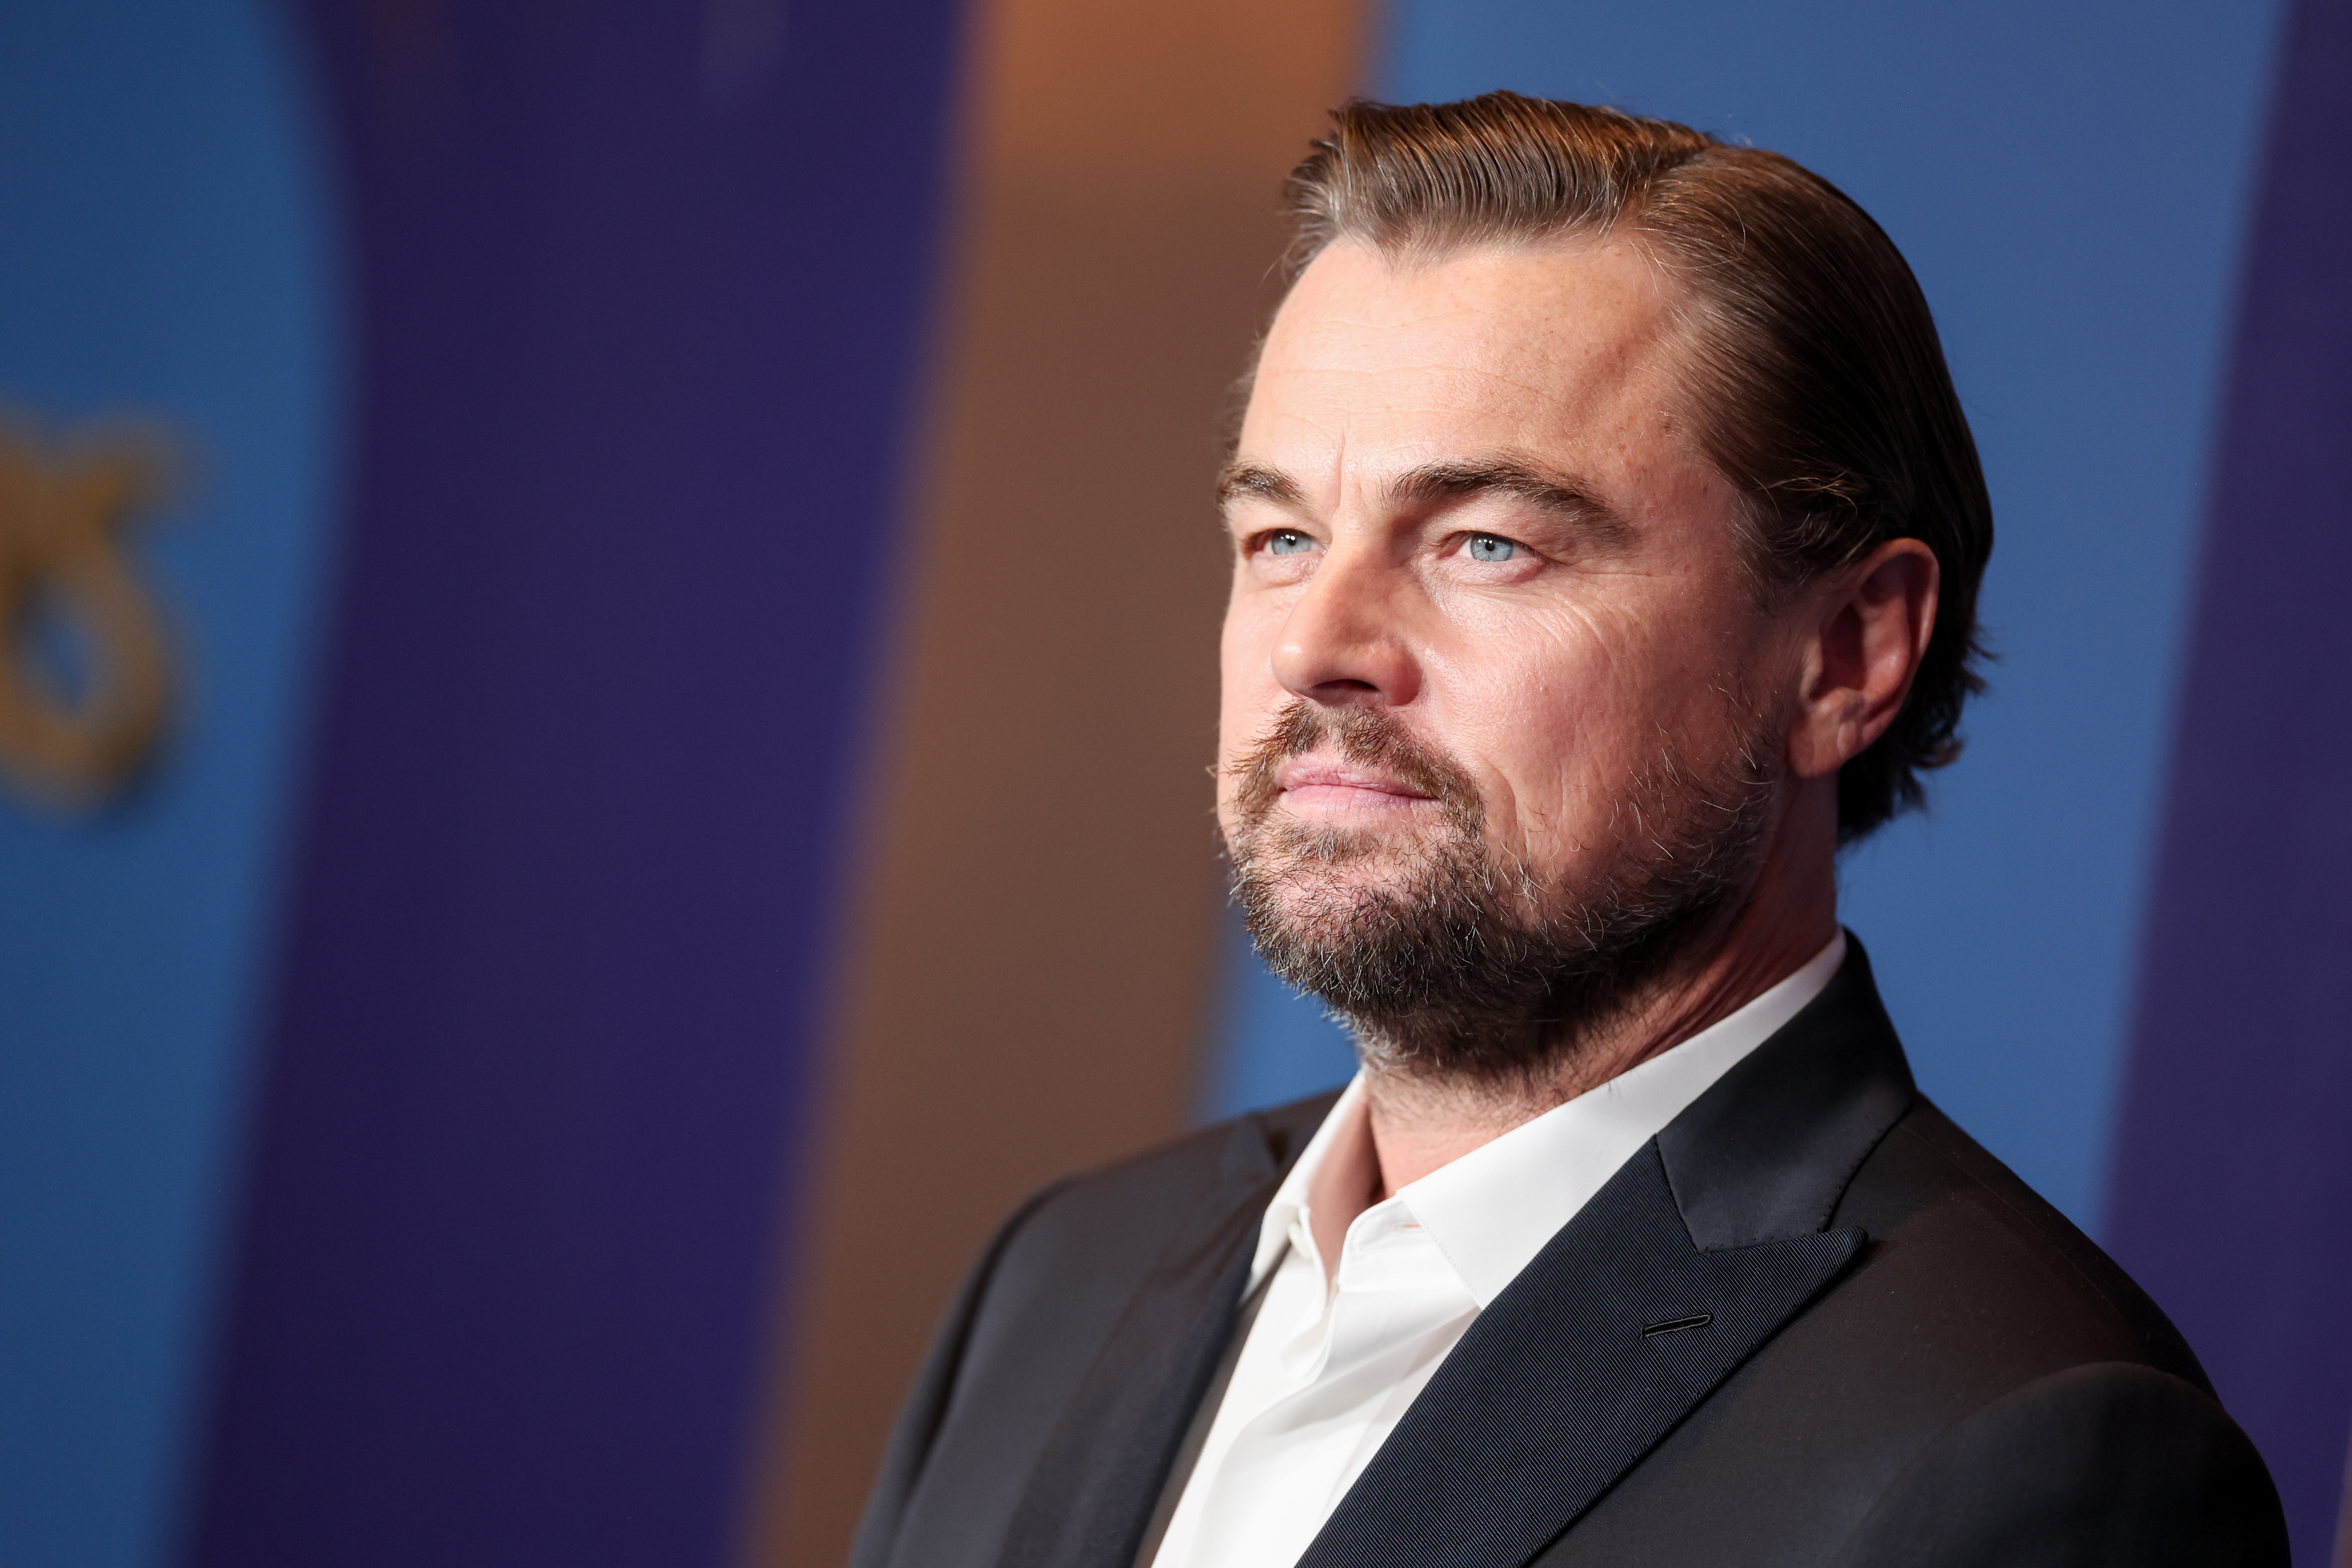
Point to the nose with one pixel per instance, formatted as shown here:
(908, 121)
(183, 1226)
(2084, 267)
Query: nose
(1343, 643)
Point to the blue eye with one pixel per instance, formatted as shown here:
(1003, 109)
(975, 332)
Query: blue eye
(1287, 542)
(1486, 547)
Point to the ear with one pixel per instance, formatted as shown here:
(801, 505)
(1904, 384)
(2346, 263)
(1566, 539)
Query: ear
(1867, 627)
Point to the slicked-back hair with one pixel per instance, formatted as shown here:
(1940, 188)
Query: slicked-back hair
(1816, 374)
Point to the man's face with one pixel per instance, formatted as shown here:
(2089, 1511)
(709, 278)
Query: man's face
(1496, 675)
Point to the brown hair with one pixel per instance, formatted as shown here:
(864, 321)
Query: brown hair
(1820, 380)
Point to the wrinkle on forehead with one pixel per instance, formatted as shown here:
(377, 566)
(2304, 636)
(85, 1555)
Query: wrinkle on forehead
(1523, 346)
(1352, 293)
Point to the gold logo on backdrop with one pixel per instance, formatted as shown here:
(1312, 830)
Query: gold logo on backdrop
(84, 675)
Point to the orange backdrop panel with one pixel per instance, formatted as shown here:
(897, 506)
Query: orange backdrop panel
(1024, 978)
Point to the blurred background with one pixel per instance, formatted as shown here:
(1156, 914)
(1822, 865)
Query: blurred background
(606, 669)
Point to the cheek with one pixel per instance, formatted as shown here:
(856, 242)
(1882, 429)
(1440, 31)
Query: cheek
(1249, 695)
(1558, 712)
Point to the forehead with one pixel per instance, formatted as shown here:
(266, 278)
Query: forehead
(1567, 348)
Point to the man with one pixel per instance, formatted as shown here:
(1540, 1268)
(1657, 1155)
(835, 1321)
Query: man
(1606, 537)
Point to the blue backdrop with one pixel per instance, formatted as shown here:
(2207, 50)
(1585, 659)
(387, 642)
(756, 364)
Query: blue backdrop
(168, 256)
(2233, 1199)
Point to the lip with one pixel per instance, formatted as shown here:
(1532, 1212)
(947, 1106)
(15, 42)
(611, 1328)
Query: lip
(1328, 783)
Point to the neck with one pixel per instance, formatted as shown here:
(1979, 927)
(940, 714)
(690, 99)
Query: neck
(1421, 1121)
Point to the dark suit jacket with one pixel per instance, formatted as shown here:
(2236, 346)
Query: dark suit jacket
(1811, 1322)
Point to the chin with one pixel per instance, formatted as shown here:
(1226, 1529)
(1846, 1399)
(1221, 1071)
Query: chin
(1336, 906)
(1333, 892)
(1374, 844)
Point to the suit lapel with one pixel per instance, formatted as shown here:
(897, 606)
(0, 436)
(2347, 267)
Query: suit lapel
(1607, 1338)
(1101, 1472)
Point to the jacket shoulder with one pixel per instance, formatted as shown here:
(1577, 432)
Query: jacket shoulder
(2022, 1291)
(2109, 1462)
(1109, 1223)
(1971, 1295)
(1034, 1315)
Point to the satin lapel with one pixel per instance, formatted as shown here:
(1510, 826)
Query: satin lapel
(1607, 1338)
(1100, 1476)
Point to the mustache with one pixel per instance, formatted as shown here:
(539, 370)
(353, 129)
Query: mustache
(1366, 737)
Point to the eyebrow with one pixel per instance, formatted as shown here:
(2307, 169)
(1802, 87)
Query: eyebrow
(1516, 478)
(1239, 479)
(1562, 495)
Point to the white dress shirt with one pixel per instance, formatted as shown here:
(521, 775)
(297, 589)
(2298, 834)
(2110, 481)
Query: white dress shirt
(1326, 1369)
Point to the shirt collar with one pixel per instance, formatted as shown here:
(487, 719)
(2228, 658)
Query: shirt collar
(1492, 1210)
(1347, 1115)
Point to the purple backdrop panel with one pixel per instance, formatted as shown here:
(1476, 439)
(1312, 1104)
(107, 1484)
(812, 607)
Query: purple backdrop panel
(643, 293)
(2233, 1198)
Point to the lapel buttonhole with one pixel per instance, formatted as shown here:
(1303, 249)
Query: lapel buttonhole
(1677, 1325)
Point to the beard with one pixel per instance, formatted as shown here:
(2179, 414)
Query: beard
(1453, 959)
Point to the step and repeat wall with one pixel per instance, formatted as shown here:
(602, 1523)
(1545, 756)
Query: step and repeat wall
(608, 668)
